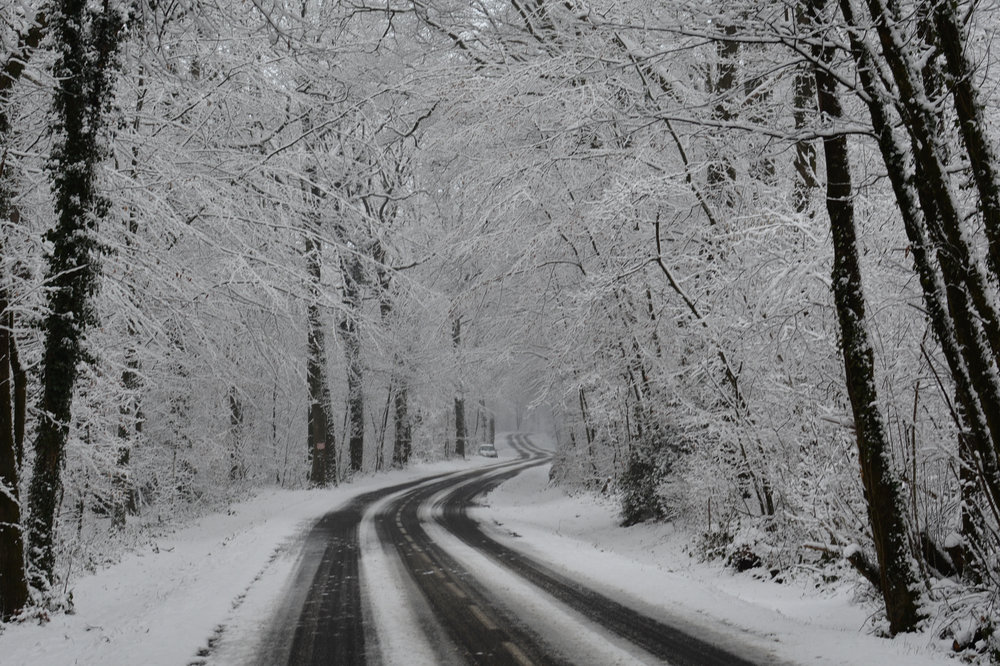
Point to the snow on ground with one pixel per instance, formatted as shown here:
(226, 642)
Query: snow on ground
(578, 639)
(212, 586)
(219, 576)
(646, 566)
(408, 633)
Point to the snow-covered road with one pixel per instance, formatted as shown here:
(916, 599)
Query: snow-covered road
(232, 589)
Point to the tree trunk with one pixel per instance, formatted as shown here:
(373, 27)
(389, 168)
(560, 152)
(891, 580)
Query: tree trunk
(395, 378)
(129, 427)
(804, 86)
(947, 301)
(588, 432)
(320, 447)
(13, 582)
(943, 213)
(948, 296)
(972, 122)
(237, 465)
(882, 490)
(13, 379)
(320, 443)
(350, 336)
(355, 395)
(20, 377)
(721, 173)
(401, 420)
(460, 434)
(130, 409)
(483, 419)
(84, 72)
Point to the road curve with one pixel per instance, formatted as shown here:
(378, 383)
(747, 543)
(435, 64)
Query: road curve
(661, 640)
(323, 621)
(482, 632)
(322, 618)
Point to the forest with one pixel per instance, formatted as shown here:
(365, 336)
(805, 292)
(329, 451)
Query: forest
(742, 258)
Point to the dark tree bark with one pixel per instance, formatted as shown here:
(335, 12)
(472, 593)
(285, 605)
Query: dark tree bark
(350, 335)
(972, 121)
(588, 431)
(401, 447)
(398, 388)
(804, 103)
(355, 393)
(320, 446)
(87, 43)
(898, 579)
(947, 301)
(320, 442)
(721, 172)
(943, 213)
(460, 434)
(13, 581)
(20, 377)
(237, 465)
(125, 501)
(13, 379)
(483, 420)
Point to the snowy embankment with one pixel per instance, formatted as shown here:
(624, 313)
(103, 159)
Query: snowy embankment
(647, 567)
(215, 580)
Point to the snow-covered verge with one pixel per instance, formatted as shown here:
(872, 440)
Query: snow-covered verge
(650, 567)
(174, 602)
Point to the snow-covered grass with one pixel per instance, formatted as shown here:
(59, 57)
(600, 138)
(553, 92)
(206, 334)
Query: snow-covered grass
(211, 582)
(650, 567)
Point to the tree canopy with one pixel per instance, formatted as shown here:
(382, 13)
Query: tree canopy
(730, 254)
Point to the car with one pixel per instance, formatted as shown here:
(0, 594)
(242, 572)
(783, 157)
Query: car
(487, 450)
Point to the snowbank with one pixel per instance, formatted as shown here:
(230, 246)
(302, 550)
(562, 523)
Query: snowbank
(648, 567)
(210, 584)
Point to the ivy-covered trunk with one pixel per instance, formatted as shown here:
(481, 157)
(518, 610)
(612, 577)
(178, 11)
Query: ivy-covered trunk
(882, 489)
(86, 41)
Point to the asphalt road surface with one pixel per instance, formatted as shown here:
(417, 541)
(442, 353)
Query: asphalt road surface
(324, 619)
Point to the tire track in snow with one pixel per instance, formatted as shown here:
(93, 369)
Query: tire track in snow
(482, 632)
(661, 640)
(322, 618)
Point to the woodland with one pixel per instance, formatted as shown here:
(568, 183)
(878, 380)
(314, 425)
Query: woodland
(742, 258)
